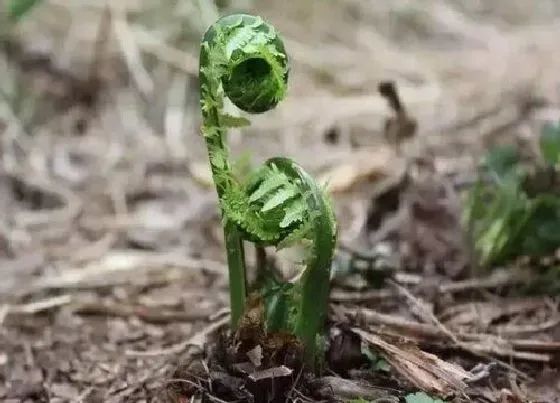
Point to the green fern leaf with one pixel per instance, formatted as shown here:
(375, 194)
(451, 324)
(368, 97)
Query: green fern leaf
(300, 233)
(294, 212)
(269, 184)
(219, 160)
(281, 196)
(234, 121)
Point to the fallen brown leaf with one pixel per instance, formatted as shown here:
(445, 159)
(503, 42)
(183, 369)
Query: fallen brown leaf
(424, 370)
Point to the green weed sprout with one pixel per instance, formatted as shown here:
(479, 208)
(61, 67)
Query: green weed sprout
(243, 57)
(516, 211)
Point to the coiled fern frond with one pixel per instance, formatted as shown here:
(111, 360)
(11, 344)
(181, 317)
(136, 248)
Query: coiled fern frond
(243, 58)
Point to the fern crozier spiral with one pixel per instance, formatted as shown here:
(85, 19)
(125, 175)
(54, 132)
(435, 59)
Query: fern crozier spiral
(255, 75)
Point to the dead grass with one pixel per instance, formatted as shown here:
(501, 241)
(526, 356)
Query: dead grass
(104, 187)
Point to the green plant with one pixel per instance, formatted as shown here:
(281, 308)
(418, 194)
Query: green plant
(17, 9)
(516, 210)
(421, 397)
(377, 363)
(243, 57)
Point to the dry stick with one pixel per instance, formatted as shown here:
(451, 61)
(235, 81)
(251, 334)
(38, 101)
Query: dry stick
(402, 126)
(497, 279)
(430, 333)
(430, 317)
(536, 345)
(425, 314)
(512, 308)
(146, 314)
(369, 315)
(523, 329)
(131, 55)
(46, 304)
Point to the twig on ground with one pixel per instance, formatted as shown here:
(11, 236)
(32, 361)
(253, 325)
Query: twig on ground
(499, 278)
(40, 306)
(480, 345)
(402, 126)
(149, 315)
(130, 49)
(120, 266)
(423, 312)
(511, 330)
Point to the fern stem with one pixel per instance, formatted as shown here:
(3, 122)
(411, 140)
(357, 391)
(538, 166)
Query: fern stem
(240, 57)
(236, 266)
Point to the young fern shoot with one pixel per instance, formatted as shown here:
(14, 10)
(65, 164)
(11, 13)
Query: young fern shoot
(243, 57)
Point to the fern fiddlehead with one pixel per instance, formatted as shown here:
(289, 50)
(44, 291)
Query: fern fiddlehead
(243, 58)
